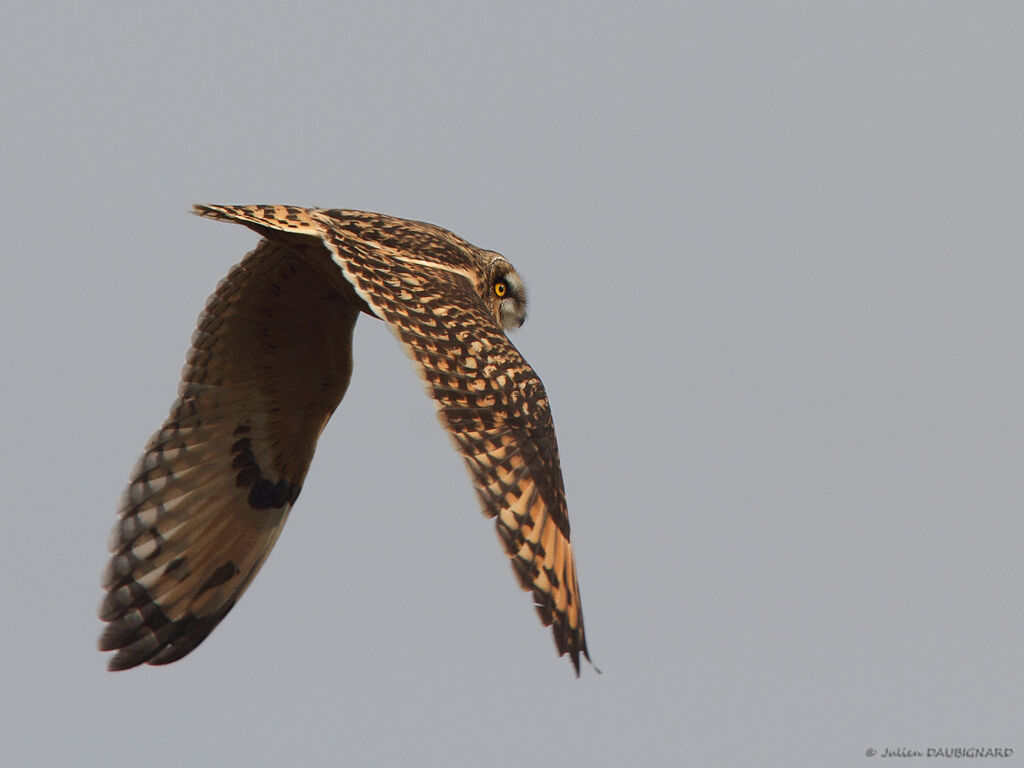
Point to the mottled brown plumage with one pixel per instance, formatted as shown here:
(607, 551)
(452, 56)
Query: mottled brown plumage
(269, 363)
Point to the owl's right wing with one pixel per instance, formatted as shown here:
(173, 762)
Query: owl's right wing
(269, 363)
(489, 400)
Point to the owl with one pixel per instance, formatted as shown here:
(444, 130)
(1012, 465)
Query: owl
(270, 361)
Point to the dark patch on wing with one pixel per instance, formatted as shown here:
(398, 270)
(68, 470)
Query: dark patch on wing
(174, 566)
(263, 493)
(222, 575)
(151, 637)
(188, 633)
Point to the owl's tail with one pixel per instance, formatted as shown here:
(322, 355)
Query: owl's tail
(265, 218)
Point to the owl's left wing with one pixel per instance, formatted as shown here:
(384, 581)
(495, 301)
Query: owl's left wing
(269, 363)
(492, 404)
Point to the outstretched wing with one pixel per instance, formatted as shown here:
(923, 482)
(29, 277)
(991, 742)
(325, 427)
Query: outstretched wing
(268, 365)
(488, 398)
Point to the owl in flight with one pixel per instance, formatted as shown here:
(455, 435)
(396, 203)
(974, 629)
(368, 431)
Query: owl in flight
(270, 361)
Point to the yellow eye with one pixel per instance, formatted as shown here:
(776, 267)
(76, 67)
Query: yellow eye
(500, 289)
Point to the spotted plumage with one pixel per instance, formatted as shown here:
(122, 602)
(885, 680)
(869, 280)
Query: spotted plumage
(269, 363)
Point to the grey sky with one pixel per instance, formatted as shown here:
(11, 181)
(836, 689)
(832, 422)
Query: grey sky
(774, 261)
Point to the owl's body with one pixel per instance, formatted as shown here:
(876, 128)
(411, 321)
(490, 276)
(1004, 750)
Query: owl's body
(269, 363)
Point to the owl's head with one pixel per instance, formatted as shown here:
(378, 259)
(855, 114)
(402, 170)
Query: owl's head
(506, 294)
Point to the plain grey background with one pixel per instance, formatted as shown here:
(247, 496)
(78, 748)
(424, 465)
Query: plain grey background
(774, 261)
